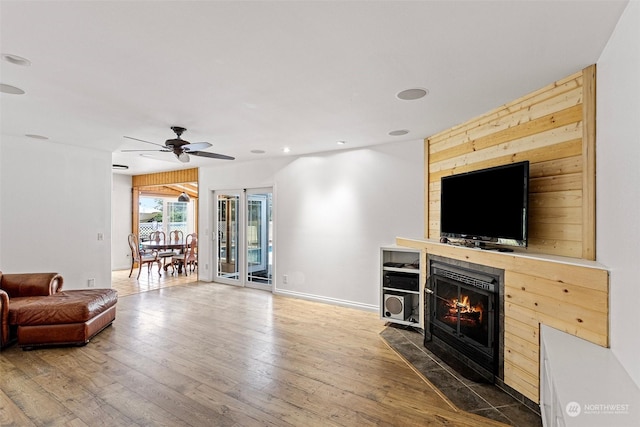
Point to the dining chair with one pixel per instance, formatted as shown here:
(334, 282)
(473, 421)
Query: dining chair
(175, 237)
(190, 255)
(147, 258)
(157, 237)
(160, 238)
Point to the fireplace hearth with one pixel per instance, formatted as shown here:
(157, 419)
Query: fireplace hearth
(463, 317)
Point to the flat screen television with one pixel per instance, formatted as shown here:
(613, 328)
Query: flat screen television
(487, 205)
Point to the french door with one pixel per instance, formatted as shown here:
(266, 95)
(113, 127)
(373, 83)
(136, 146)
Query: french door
(227, 209)
(244, 237)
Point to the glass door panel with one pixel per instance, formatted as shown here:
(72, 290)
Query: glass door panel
(258, 238)
(228, 266)
(177, 214)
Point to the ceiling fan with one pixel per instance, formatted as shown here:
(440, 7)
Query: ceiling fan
(181, 148)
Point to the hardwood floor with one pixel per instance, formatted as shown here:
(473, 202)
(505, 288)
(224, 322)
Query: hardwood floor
(126, 285)
(203, 354)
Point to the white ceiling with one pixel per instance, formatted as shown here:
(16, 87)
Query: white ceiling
(264, 75)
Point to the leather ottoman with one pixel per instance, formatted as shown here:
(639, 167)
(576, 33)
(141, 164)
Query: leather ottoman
(65, 318)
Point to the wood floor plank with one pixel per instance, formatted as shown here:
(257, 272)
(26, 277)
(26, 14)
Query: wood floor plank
(38, 405)
(88, 409)
(202, 354)
(155, 389)
(244, 414)
(10, 414)
(136, 407)
(288, 411)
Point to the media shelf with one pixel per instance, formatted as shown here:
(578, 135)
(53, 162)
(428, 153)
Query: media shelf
(401, 285)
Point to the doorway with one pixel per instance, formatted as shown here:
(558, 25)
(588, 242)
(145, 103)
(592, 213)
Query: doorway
(164, 201)
(244, 224)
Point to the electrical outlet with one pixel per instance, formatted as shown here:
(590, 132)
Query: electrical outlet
(285, 279)
(91, 283)
(100, 236)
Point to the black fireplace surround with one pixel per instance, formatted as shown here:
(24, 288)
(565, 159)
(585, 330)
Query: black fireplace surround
(463, 317)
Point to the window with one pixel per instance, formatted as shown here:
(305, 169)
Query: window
(164, 214)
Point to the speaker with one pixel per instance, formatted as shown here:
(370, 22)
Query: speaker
(397, 306)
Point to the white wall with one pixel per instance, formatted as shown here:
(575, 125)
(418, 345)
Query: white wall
(618, 180)
(121, 209)
(332, 213)
(55, 200)
(2, 183)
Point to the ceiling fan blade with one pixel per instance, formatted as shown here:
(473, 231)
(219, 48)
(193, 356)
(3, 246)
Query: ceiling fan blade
(196, 146)
(162, 151)
(211, 155)
(142, 140)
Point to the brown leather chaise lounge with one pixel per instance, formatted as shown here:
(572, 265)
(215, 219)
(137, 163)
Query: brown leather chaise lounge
(34, 311)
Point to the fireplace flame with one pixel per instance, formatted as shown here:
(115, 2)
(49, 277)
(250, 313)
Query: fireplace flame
(468, 313)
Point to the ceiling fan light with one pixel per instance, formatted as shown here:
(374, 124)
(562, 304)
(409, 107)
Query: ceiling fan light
(183, 197)
(183, 157)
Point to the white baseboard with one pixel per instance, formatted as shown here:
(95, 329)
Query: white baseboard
(327, 300)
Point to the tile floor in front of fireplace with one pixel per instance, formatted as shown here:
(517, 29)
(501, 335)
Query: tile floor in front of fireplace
(486, 400)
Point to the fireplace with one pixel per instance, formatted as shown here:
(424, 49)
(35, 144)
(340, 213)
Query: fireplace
(463, 317)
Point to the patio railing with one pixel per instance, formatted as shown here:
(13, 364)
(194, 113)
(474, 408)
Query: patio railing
(146, 228)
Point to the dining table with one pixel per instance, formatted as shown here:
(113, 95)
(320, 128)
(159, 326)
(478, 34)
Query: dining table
(152, 244)
(158, 246)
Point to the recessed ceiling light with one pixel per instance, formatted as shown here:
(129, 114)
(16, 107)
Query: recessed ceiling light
(120, 167)
(342, 142)
(258, 151)
(15, 59)
(11, 89)
(34, 136)
(411, 94)
(286, 149)
(398, 132)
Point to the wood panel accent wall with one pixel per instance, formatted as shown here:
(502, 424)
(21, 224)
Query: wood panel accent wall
(171, 177)
(554, 129)
(569, 295)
